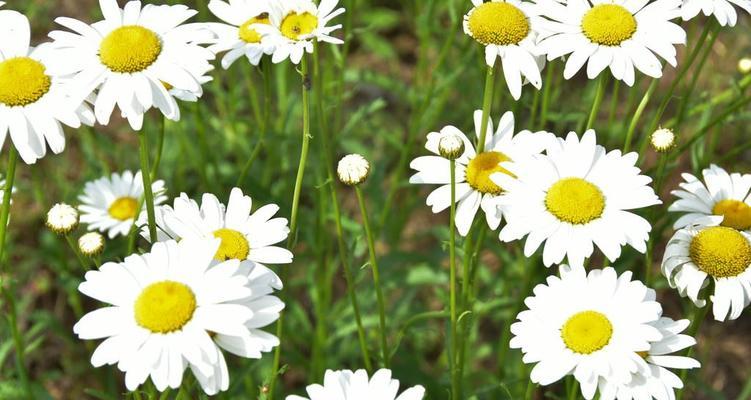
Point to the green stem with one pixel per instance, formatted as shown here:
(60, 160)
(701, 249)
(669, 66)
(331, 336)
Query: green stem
(673, 85)
(487, 104)
(530, 392)
(376, 276)
(295, 206)
(601, 84)
(6, 285)
(614, 101)
(452, 288)
(637, 115)
(159, 148)
(147, 190)
(685, 100)
(74, 247)
(546, 89)
(573, 389)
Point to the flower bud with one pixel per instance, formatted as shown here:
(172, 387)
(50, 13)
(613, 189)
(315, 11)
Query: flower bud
(62, 218)
(353, 169)
(662, 140)
(744, 65)
(451, 147)
(91, 244)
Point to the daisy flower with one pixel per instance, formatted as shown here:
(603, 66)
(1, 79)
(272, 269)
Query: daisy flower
(589, 325)
(134, 58)
(238, 36)
(164, 308)
(710, 250)
(34, 100)
(244, 235)
(722, 10)
(576, 195)
(348, 385)
(656, 381)
(111, 204)
(295, 24)
(619, 34)
(508, 30)
(721, 194)
(474, 188)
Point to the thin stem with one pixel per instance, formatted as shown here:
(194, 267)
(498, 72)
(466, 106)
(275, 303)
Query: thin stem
(147, 190)
(452, 289)
(74, 247)
(6, 286)
(614, 101)
(546, 89)
(674, 84)
(376, 275)
(295, 206)
(159, 148)
(487, 104)
(601, 84)
(685, 100)
(637, 115)
(530, 392)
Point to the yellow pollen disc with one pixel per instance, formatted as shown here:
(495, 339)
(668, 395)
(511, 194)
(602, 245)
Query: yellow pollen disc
(720, 252)
(608, 24)
(575, 201)
(295, 25)
(248, 34)
(165, 306)
(643, 354)
(123, 208)
(587, 332)
(130, 49)
(737, 214)
(498, 23)
(234, 246)
(480, 169)
(22, 81)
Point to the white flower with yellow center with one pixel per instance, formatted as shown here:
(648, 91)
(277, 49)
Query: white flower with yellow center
(722, 10)
(657, 381)
(238, 36)
(111, 204)
(136, 58)
(721, 194)
(295, 24)
(34, 100)
(712, 251)
(508, 29)
(474, 188)
(576, 195)
(590, 326)
(348, 385)
(244, 235)
(620, 34)
(165, 306)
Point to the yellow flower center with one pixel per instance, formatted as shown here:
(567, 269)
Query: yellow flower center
(586, 332)
(295, 25)
(250, 35)
(165, 307)
(22, 81)
(482, 167)
(608, 24)
(234, 246)
(123, 208)
(720, 251)
(737, 214)
(498, 23)
(130, 49)
(575, 201)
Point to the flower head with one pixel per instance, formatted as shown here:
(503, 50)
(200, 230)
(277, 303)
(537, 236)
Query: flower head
(508, 29)
(475, 187)
(722, 10)
(62, 218)
(238, 36)
(136, 58)
(35, 100)
(353, 169)
(348, 385)
(451, 147)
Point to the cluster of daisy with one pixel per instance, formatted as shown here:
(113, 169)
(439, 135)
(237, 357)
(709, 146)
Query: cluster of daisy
(617, 34)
